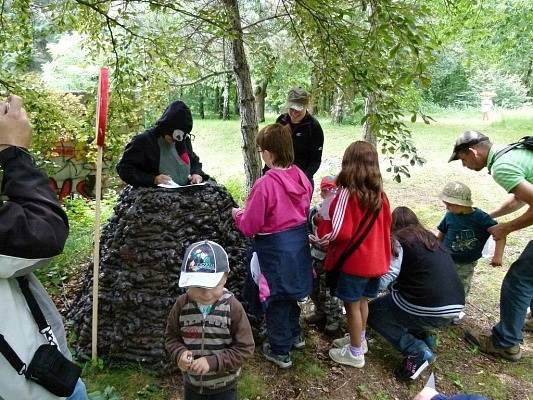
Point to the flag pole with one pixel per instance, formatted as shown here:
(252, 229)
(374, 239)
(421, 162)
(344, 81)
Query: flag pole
(101, 119)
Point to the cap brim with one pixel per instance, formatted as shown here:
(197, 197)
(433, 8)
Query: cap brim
(295, 106)
(455, 201)
(200, 279)
(453, 157)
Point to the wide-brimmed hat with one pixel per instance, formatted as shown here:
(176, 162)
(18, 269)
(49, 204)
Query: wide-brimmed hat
(456, 193)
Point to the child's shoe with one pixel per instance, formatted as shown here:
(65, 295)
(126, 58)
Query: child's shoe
(344, 356)
(414, 364)
(281, 360)
(298, 342)
(345, 341)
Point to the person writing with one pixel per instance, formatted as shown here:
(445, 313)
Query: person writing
(163, 153)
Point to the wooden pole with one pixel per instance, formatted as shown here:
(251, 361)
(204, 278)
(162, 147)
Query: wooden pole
(101, 119)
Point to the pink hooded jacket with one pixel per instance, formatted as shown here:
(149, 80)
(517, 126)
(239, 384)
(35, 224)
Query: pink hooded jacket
(279, 200)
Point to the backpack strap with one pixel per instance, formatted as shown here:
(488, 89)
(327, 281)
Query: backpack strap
(525, 141)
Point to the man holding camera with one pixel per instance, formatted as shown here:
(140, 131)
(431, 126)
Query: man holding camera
(33, 228)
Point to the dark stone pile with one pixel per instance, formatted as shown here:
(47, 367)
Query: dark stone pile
(141, 252)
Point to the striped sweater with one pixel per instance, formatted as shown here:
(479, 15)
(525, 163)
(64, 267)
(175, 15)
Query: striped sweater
(428, 284)
(223, 336)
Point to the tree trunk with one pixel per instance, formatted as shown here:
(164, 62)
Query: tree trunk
(370, 129)
(218, 106)
(252, 163)
(260, 95)
(225, 91)
(201, 103)
(337, 110)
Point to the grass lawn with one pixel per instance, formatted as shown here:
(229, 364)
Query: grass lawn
(458, 367)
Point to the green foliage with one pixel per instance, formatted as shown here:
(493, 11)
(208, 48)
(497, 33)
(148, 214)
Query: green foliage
(71, 68)
(79, 246)
(237, 188)
(510, 91)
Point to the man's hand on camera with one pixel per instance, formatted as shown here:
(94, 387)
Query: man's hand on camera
(15, 128)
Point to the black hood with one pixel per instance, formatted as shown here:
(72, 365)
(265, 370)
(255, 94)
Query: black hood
(176, 116)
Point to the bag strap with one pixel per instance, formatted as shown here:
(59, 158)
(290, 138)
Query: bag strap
(11, 356)
(507, 149)
(33, 305)
(358, 240)
(44, 328)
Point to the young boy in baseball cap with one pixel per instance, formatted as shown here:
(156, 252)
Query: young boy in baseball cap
(208, 334)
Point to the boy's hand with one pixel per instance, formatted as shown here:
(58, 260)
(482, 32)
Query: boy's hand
(200, 366)
(185, 361)
(496, 262)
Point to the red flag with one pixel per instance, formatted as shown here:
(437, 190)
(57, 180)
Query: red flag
(103, 104)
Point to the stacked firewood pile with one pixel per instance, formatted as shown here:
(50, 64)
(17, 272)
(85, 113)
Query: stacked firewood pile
(141, 252)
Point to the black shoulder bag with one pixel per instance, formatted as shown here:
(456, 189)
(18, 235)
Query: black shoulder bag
(332, 276)
(48, 367)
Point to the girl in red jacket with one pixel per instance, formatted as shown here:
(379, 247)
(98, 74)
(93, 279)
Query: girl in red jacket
(359, 201)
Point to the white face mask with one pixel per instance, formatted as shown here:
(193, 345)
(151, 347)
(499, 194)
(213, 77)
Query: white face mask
(178, 135)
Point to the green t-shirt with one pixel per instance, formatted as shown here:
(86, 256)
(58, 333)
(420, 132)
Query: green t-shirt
(171, 164)
(512, 168)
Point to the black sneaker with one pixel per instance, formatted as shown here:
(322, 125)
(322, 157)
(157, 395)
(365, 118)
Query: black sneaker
(414, 364)
(281, 360)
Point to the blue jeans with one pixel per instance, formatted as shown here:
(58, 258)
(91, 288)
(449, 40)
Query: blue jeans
(80, 392)
(403, 330)
(282, 324)
(515, 297)
(190, 394)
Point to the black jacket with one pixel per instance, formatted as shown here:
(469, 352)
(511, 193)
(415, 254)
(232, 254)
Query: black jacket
(140, 162)
(32, 223)
(428, 284)
(308, 140)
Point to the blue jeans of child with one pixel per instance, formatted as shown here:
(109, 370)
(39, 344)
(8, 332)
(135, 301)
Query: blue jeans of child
(283, 325)
(515, 297)
(80, 392)
(403, 330)
(190, 394)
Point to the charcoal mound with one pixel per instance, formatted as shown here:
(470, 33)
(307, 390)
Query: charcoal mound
(142, 247)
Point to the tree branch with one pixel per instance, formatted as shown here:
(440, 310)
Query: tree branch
(264, 20)
(203, 78)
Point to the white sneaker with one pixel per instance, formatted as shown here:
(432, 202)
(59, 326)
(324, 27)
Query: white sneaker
(345, 356)
(345, 340)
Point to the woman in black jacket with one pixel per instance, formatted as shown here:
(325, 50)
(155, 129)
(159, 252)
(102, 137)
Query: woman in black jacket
(427, 295)
(163, 152)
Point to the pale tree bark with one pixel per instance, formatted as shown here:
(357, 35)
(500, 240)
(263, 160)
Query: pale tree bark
(260, 95)
(337, 110)
(370, 129)
(252, 163)
(225, 92)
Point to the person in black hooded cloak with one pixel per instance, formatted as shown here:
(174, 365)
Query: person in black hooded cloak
(163, 152)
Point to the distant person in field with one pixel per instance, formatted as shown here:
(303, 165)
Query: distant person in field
(306, 132)
(463, 231)
(486, 104)
(163, 152)
(512, 169)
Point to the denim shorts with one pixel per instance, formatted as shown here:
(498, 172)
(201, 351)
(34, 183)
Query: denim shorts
(351, 288)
